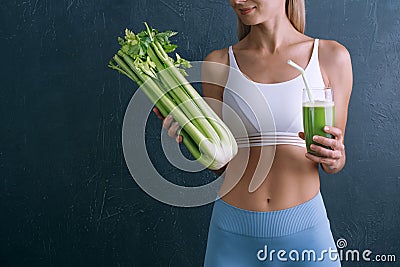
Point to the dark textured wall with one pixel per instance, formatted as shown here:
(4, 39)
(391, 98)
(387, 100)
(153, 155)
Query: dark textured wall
(363, 200)
(66, 196)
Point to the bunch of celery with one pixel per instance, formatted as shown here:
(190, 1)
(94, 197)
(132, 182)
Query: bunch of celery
(143, 58)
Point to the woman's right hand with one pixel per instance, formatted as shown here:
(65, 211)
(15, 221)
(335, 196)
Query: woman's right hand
(169, 125)
(173, 128)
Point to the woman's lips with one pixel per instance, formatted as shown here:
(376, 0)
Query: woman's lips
(245, 11)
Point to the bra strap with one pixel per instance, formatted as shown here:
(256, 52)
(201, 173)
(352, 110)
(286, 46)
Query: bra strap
(315, 49)
(232, 59)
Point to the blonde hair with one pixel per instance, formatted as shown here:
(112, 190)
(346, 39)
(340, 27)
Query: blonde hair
(295, 11)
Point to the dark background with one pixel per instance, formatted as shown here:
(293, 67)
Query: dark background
(66, 196)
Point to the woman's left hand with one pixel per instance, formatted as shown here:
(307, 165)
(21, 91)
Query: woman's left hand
(332, 161)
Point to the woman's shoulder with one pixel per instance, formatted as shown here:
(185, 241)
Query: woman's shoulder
(333, 53)
(334, 60)
(219, 56)
(335, 63)
(217, 73)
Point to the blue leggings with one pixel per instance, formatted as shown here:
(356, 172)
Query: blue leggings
(298, 236)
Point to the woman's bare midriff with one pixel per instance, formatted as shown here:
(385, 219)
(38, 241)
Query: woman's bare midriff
(285, 178)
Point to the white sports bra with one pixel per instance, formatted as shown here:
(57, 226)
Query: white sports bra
(267, 114)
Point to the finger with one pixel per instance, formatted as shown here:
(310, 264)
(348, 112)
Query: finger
(179, 139)
(327, 161)
(301, 135)
(158, 114)
(327, 153)
(333, 143)
(173, 129)
(334, 131)
(167, 121)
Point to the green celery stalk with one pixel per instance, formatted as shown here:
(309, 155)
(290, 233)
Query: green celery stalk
(144, 59)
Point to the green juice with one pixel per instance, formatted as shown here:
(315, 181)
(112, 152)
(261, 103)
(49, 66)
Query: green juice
(315, 116)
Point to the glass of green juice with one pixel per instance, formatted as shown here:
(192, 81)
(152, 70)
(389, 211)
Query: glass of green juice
(317, 113)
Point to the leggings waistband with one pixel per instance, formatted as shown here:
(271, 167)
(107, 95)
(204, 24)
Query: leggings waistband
(269, 223)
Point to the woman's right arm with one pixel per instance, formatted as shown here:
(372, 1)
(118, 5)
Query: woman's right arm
(215, 70)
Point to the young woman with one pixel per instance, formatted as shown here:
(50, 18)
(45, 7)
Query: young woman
(282, 221)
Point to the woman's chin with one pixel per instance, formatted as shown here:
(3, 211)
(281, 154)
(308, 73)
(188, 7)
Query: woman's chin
(250, 22)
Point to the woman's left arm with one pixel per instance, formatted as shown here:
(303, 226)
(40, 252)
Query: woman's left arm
(335, 63)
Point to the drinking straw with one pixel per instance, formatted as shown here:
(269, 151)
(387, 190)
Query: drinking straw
(303, 74)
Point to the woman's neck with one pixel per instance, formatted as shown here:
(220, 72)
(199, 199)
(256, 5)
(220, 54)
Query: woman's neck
(271, 34)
